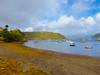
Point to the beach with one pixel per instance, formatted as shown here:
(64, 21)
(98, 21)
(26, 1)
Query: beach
(50, 63)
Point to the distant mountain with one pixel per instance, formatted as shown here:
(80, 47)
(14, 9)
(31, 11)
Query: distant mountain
(43, 35)
(97, 36)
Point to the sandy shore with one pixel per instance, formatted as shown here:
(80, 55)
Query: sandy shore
(49, 62)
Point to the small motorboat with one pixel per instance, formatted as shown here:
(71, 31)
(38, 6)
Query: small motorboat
(72, 43)
(88, 47)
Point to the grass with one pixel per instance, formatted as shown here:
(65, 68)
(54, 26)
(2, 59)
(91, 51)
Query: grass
(43, 35)
(17, 59)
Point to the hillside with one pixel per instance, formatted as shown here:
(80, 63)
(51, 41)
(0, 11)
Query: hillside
(97, 36)
(43, 35)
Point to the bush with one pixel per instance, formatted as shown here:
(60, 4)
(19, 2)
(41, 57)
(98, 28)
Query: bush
(11, 36)
(17, 35)
(1, 36)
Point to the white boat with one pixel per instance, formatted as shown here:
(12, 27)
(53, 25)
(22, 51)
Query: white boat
(88, 47)
(72, 43)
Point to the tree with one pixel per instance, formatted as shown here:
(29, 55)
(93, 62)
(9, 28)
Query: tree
(6, 27)
(12, 35)
(17, 35)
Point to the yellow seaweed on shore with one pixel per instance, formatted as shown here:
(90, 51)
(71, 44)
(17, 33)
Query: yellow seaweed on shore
(14, 67)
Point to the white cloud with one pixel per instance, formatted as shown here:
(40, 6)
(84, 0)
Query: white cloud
(89, 21)
(97, 17)
(69, 25)
(29, 29)
(68, 22)
(62, 22)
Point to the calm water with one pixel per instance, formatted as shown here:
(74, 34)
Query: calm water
(65, 47)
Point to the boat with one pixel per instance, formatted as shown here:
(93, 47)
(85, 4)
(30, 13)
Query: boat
(72, 43)
(88, 47)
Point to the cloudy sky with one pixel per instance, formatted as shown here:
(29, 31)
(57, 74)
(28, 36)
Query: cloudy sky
(70, 17)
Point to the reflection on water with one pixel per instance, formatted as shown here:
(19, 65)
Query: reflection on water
(90, 48)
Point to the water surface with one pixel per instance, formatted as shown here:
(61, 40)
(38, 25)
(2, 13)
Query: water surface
(64, 47)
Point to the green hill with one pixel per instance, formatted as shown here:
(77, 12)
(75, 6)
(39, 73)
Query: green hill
(43, 35)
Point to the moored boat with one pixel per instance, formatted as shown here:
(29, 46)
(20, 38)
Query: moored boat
(72, 43)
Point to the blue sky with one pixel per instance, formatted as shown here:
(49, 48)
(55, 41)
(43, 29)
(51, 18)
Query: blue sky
(69, 17)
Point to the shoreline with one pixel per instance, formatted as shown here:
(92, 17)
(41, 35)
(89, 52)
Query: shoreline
(62, 53)
(49, 51)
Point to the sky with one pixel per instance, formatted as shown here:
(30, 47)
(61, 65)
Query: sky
(69, 17)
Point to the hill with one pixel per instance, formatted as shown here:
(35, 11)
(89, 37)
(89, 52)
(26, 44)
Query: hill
(43, 35)
(97, 36)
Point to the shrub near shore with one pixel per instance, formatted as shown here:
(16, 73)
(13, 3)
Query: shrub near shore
(11, 36)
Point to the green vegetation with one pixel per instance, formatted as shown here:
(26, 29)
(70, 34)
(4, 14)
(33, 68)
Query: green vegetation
(11, 36)
(43, 35)
(16, 35)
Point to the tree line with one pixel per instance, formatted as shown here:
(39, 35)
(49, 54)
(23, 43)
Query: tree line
(11, 35)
